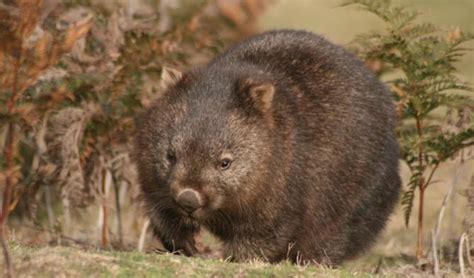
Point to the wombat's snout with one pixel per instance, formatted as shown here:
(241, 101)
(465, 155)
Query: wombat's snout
(189, 200)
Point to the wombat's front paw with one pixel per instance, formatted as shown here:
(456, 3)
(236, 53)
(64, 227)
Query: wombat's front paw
(189, 247)
(184, 245)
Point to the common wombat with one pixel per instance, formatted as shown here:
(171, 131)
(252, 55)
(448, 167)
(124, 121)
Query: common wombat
(283, 147)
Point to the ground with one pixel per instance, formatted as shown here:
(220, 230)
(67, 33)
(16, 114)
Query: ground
(60, 261)
(76, 262)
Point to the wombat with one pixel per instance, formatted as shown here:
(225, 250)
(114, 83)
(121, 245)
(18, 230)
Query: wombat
(283, 147)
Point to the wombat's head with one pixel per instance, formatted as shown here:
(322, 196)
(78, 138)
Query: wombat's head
(204, 146)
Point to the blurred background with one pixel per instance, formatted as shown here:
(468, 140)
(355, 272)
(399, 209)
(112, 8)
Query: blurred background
(340, 25)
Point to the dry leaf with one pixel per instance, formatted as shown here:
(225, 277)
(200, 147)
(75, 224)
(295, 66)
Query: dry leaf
(29, 15)
(193, 23)
(40, 50)
(65, 139)
(9, 20)
(14, 174)
(76, 31)
(232, 10)
(454, 35)
(254, 7)
(28, 113)
(399, 91)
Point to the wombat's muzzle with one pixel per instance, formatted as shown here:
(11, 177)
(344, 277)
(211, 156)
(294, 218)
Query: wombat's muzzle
(189, 200)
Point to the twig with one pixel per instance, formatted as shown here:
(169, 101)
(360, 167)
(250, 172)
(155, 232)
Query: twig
(7, 195)
(118, 209)
(116, 180)
(8, 151)
(453, 183)
(141, 241)
(378, 267)
(468, 252)
(6, 254)
(436, 232)
(421, 187)
(462, 269)
(66, 213)
(107, 181)
(469, 220)
(40, 153)
(49, 207)
(428, 181)
(435, 254)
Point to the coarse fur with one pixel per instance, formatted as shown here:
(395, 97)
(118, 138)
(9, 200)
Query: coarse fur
(309, 132)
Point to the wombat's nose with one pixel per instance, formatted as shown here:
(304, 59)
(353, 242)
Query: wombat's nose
(189, 200)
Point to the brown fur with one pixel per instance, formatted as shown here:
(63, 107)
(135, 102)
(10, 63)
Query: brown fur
(310, 133)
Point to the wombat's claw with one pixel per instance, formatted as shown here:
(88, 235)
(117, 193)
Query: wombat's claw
(190, 249)
(184, 247)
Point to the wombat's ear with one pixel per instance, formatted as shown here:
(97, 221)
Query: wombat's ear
(170, 77)
(260, 92)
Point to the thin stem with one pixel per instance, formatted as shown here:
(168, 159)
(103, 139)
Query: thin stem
(421, 187)
(436, 232)
(105, 224)
(419, 242)
(9, 150)
(141, 240)
(435, 254)
(462, 268)
(6, 253)
(118, 209)
(49, 207)
(105, 235)
(428, 181)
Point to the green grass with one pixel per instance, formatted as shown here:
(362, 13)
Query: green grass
(76, 262)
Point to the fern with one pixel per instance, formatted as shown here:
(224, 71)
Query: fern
(423, 58)
(408, 195)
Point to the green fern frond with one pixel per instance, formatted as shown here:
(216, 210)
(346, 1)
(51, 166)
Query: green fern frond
(419, 31)
(447, 145)
(400, 17)
(409, 195)
(396, 18)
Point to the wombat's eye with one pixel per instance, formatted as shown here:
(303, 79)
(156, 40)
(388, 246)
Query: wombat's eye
(225, 164)
(171, 157)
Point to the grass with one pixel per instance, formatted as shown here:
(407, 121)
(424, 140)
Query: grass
(76, 262)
